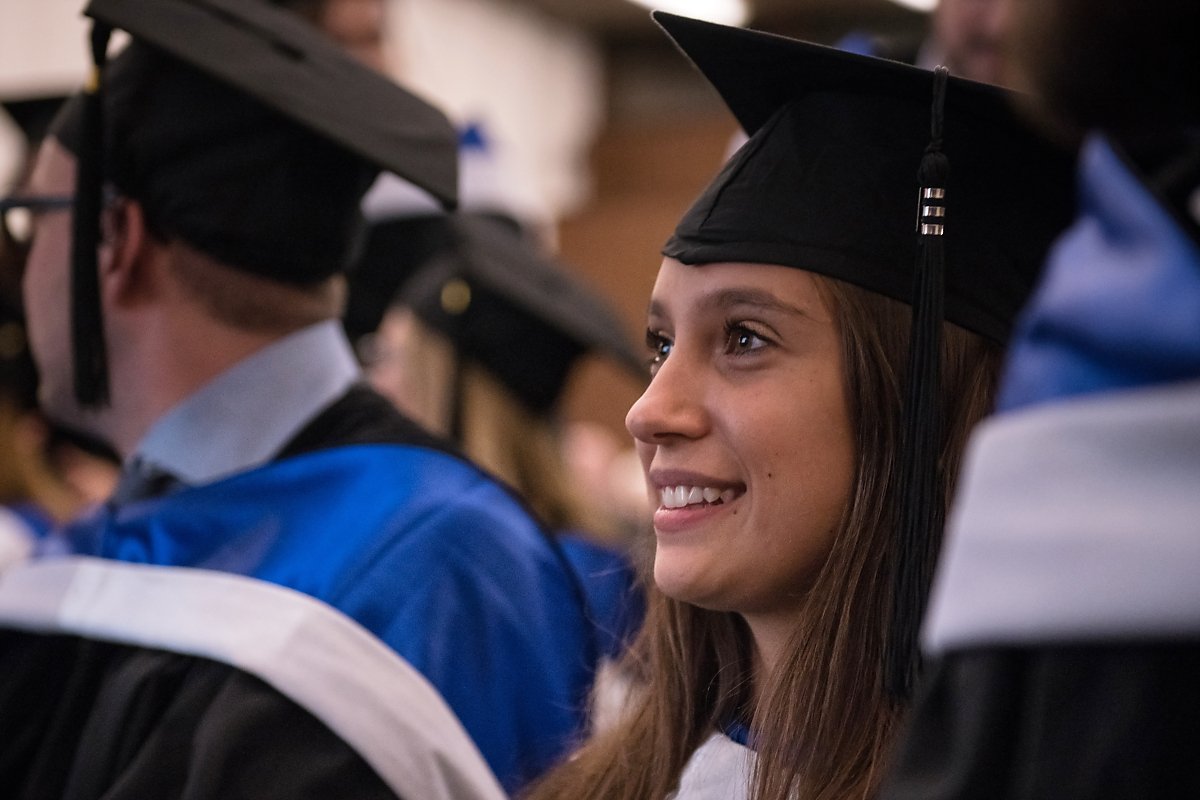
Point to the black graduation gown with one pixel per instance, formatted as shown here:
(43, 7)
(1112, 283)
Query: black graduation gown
(1112, 721)
(108, 703)
(141, 681)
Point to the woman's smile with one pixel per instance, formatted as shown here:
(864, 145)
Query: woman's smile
(688, 500)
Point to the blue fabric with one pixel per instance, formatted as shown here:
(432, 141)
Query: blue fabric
(35, 518)
(421, 548)
(738, 732)
(861, 43)
(1119, 306)
(609, 582)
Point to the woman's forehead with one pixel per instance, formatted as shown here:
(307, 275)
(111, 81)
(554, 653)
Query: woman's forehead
(724, 286)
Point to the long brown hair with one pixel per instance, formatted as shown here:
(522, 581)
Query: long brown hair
(523, 448)
(825, 723)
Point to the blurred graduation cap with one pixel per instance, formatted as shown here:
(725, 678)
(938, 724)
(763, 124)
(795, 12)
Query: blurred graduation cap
(514, 311)
(33, 115)
(244, 132)
(406, 227)
(480, 279)
(909, 183)
(23, 122)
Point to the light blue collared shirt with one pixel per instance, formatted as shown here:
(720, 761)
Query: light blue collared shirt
(245, 416)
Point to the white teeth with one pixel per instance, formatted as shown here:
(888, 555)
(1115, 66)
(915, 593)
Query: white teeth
(681, 496)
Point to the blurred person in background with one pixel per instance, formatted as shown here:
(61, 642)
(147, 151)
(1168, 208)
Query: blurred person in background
(1065, 622)
(820, 350)
(469, 328)
(218, 171)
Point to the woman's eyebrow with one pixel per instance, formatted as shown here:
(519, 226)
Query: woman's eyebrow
(725, 299)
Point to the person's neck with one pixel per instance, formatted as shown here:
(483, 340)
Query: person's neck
(170, 358)
(770, 634)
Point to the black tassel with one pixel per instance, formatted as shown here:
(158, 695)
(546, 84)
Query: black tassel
(921, 498)
(87, 325)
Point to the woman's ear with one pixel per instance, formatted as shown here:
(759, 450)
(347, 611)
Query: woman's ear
(125, 253)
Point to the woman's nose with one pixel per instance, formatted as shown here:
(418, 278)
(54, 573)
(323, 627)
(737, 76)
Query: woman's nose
(672, 405)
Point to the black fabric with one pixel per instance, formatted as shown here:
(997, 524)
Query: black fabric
(1170, 162)
(362, 416)
(393, 251)
(34, 115)
(1084, 722)
(140, 480)
(84, 720)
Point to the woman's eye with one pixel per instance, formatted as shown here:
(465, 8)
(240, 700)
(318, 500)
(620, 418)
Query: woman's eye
(740, 339)
(660, 347)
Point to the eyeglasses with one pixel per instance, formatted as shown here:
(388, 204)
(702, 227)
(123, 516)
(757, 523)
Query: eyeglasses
(18, 212)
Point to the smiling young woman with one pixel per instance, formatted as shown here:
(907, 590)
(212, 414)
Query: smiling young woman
(747, 403)
(817, 363)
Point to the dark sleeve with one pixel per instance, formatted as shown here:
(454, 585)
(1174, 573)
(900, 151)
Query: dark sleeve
(1059, 723)
(82, 719)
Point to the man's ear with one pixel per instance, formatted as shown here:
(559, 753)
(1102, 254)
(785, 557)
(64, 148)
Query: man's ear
(126, 253)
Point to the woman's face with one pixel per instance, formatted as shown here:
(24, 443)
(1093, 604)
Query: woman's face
(744, 435)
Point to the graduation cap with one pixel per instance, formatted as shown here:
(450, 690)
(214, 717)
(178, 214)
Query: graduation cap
(244, 132)
(516, 312)
(33, 115)
(406, 228)
(394, 250)
(918, 186)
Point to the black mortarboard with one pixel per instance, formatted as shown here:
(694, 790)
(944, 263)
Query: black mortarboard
(513, 310)
(244, 132)
(920, 187)
(393, 251)
(34, 114)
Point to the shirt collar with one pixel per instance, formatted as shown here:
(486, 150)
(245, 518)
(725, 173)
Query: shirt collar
(246, 415)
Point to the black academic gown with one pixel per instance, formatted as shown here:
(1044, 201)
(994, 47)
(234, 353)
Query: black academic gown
(117, 681)
(142, 681)
(1102, 722)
